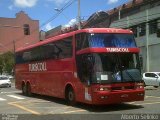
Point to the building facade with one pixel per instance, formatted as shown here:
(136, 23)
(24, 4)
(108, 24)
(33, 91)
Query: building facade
(143, 18)
(18, 32)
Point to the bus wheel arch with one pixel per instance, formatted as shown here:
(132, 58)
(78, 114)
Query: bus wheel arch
(70, 94)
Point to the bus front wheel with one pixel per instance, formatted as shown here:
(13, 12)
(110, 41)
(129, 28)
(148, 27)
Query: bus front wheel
(71, 96)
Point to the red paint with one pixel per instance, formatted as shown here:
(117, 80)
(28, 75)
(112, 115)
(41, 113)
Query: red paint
(104, 50)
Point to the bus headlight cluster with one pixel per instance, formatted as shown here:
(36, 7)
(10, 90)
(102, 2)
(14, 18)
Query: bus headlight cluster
(139, 85)
(140, 94)
(104, 89)
(104, 97)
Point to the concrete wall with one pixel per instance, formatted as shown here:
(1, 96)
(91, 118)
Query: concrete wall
(135, 19)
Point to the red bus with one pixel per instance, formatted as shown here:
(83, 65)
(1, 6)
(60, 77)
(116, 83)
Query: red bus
(93, 66)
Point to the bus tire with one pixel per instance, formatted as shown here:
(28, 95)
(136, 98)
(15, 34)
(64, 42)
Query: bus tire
(70, 96)
(24, 89)
(156, 86)
(29, 91)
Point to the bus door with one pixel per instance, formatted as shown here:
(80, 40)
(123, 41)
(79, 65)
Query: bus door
(84, 71)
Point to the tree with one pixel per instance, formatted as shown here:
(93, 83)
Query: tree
(6, 62)
(1, 64)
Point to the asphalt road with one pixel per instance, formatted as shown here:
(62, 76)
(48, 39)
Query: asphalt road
(14, 105)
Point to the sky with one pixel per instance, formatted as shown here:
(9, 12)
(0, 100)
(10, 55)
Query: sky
(44, 10)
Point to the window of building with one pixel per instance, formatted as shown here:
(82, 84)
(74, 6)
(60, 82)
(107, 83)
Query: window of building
(134, 30)
(142, 29)
(26, 29)
(154, 4)
(153, 27)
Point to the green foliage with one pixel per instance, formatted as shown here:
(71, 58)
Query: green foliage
(6, 62)
(1, 64)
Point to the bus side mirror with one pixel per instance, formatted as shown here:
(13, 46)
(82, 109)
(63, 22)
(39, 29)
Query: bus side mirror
(88, 83)
(158, 33)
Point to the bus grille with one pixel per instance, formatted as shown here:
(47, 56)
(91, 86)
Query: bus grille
(123, 88)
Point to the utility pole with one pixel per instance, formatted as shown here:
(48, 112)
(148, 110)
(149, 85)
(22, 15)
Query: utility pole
(147, 40)
(119, 13)
(14, 47)
(14, 53)
(79, 15)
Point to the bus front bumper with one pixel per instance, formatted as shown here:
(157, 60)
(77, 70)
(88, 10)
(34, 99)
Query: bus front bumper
(103, 97)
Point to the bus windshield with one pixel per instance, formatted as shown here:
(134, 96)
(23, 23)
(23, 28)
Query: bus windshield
(109, 67)
(85, 40)
(111, 40)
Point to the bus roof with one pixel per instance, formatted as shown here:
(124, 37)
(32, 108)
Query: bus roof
(87, 30)
(105, 30)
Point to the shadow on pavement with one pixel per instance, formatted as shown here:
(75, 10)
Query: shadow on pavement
(91, 108)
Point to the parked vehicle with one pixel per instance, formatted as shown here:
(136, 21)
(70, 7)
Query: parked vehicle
(4, 81)
(152, 79)
(10, 77)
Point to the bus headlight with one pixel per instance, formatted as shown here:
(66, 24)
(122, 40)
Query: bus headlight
(139, 85)
(103, 89)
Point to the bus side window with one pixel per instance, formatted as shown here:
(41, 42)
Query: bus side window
(81, 41)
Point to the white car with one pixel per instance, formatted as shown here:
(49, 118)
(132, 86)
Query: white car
(152, 79)
(4, 81)
(10, 77)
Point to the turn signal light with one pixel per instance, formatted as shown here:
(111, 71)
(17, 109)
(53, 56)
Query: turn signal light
(103, 89)
(139, 85)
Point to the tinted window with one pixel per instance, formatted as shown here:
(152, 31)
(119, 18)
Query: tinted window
(111, 40)
(150, 75)
(85, 40)
(3, 78)
(142, 29)
(152, 27)
(147, 75)
(26, 56)
(19, 58)
(56, 50)
(63, 48)
(104, 68)
(82, 41)
(134, 29)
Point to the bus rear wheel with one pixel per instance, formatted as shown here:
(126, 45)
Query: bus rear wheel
(71, 97)
(29, 92)
(24, 89)
(156, 86)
